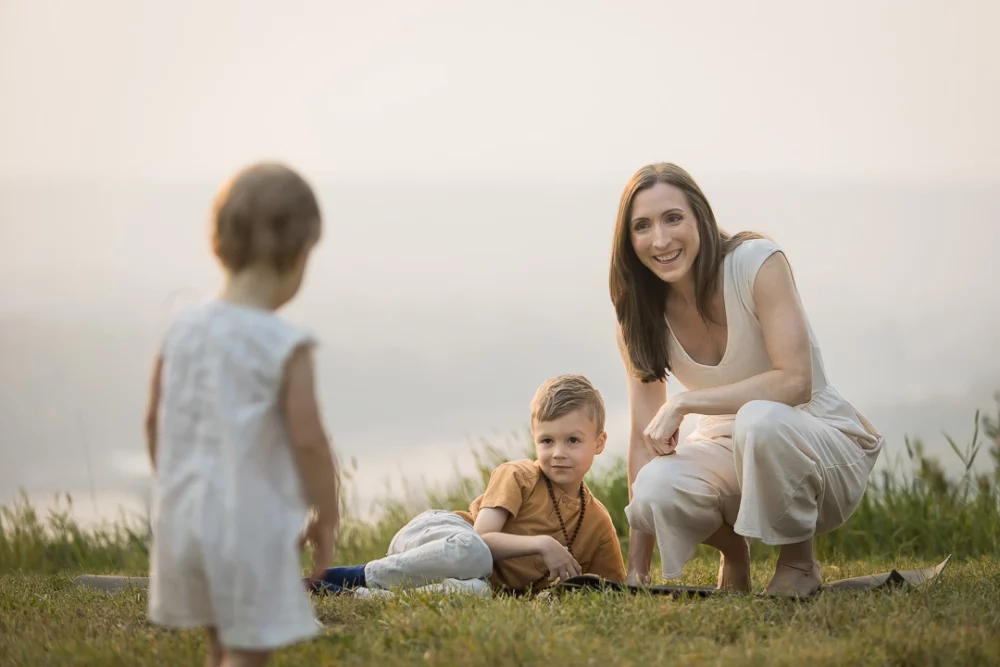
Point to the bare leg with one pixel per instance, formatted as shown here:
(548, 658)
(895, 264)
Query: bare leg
(797, 572)
(734, 561)
(640, 543)
(236, 658)
(214, 657)
(640, 554)
(683, 499)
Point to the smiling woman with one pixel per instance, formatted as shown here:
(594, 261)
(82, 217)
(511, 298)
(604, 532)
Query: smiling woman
(778, 454)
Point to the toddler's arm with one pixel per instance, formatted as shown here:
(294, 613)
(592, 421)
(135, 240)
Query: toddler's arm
(152, 410)
(313, 453)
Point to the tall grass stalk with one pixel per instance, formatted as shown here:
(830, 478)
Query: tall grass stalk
(913, 511)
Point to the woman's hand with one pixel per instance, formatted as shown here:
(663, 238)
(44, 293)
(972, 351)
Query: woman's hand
(662, 432)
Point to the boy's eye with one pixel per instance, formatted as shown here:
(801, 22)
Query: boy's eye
(574, 440)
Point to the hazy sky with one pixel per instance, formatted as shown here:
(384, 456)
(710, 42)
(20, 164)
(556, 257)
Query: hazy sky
(469, 158)
(134, 88)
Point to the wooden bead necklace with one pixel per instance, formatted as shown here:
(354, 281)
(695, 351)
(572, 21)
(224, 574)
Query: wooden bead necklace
(562, 524)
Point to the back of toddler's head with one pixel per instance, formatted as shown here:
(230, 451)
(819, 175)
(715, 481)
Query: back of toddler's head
(265, 214)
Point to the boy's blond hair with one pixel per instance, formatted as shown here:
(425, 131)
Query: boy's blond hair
(265, 214)
(563, 394)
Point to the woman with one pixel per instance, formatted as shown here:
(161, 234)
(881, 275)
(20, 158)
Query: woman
(778, 455)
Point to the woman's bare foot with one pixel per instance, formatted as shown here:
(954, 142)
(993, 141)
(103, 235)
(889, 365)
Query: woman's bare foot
(633, 578)
(734, 570)
(734, 563)
(794, 580)
(797, 574)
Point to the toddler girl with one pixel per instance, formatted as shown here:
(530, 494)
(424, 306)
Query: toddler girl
(235, 437)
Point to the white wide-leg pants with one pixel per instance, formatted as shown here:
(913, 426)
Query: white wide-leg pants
(784, 477)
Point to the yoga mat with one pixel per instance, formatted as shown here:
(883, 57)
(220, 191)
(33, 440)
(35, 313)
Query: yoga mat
(109, 582)
(893, 578)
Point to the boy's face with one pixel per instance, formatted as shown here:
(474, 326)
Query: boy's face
(566, 448)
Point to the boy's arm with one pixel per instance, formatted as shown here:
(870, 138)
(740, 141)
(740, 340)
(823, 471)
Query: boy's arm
(313, 454)
(500, 503)
(152, 409)
(490, 523)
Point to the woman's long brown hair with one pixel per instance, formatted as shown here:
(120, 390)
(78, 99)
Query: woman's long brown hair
(639, 296)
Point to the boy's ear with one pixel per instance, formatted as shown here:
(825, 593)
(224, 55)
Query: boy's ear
(602, 439)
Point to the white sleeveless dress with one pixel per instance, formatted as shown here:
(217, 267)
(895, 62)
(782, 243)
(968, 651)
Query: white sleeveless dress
(776, 473)
(228, 504)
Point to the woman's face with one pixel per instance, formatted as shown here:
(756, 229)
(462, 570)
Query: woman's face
(664, 232)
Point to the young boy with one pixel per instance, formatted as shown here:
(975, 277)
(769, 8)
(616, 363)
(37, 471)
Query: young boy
(536, 522)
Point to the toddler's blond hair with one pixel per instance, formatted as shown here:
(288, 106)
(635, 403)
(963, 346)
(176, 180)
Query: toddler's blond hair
(265, 214)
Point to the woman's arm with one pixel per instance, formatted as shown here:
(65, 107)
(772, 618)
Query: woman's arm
(786, 337)
(645, 400)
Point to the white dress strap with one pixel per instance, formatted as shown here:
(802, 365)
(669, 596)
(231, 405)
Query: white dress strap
(747, 259)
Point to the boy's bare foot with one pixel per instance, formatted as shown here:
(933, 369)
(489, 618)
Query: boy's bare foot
(734, 570)
(794, 580)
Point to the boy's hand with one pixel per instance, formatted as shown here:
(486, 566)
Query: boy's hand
(559, 560)
(322, 534)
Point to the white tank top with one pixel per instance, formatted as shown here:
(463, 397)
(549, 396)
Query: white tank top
(746, 355)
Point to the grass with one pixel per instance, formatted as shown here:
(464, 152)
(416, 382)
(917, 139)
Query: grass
(44, 619)
(911, 517)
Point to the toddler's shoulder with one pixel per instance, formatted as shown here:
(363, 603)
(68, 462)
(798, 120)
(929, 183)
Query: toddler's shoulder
(249, 337)
(271, 340)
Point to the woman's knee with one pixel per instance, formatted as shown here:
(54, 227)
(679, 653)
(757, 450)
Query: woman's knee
(671, 492)
(654, 484)
(759, 420)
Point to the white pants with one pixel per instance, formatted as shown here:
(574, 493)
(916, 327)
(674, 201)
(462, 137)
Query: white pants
(784, 477)
(435, 547)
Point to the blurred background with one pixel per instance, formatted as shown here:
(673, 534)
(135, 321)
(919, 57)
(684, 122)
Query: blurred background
(469, 158)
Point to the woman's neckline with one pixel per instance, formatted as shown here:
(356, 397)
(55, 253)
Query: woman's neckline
(729, 323)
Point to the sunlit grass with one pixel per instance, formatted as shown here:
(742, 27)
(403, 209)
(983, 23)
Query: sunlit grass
(911, 517)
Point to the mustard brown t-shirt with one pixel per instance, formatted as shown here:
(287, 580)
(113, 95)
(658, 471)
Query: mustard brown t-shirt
(519, 487)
